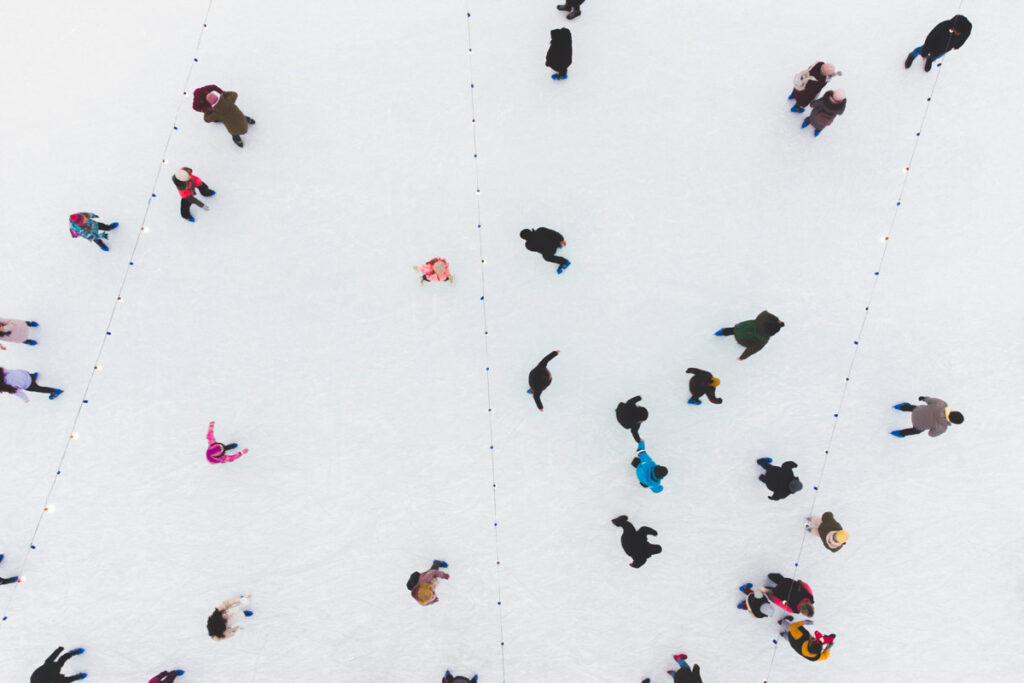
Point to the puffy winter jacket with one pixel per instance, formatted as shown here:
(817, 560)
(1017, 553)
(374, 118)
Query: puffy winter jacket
(825, 111)
(930, 417)
(227, 113)
(645, 470)
(941, 39)
(754, 334)
(89, 229)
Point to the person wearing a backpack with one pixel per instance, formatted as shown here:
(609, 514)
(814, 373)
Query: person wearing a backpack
(809, 82)
(83, 224)
(421, 586)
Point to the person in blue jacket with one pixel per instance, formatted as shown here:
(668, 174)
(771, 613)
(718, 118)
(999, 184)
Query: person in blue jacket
(648, 472)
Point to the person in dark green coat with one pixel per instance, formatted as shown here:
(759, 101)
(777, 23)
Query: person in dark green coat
(753, 334)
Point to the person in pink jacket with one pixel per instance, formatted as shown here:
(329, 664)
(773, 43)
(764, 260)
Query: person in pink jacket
(421, 586)
(166, 676)
(16, 331)
(435, 270)
(216, 452)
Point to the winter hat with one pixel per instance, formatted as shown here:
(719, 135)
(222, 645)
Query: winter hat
(423, 593)
(440, 266)
(642, 413)
(212, 98)
(78, 219)
(956, 417)
(660, 472)
(838, 95)
(525, 233)
(413, 580)
(841, 536)
(828, 70)
(795, 486)
(715, 381)
(182, 175)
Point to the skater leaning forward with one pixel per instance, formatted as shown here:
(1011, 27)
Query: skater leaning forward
(187, 183)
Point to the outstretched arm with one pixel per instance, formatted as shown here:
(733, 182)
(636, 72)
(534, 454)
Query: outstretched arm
(209, 434)
(536, 399)
(53, 655)
(547, 358)
(751, 350)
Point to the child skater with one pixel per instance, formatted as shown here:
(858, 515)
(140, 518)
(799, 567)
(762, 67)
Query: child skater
(217, 452)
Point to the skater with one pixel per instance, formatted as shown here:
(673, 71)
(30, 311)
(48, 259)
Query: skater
(187, 184)
(935, 416)
(702, 383)
(758, 602)
(216, 452)
(218, 625)
(3, 581)
(809, 82)
(947, 35)
(546, 242)
(683, 674)
(559, 56)
(83, 225)
(448, 678)
(815, 649)
(780, 480)
(825, 109)
(199, 102)
(631, 416)
(435, 270)
(647, 472)
(635, 543)
(540, 379)
(167, 676)
(831, 532)
(50, 672)
(792, 595)
(753, 334)
(17, 382)
(572, 7)
(16, 331)
(223, 110)
(421, 586)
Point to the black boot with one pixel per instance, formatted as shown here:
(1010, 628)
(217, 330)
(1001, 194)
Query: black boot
(910, 60)
(251, 121)
(928, 64)
(237, 140)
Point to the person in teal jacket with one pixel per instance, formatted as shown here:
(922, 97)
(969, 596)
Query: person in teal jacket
(648, 472)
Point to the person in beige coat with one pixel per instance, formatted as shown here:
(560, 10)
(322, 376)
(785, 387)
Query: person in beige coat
(223, 110)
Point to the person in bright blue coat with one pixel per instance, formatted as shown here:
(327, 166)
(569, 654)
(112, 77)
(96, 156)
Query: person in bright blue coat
(648, 472)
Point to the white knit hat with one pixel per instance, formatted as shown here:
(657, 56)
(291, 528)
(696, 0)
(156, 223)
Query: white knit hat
(182, 175)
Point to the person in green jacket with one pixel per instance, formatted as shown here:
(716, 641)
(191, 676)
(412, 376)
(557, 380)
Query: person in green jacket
(753, 334)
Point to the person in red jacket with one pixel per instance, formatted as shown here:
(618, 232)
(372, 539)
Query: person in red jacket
(187, 184)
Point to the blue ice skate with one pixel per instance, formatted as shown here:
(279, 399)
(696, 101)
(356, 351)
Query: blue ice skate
(32, 323)
(797, 109)
(720, 333)
(247, 612)
(745, 587)
(901, 406)
(692, 402)
(806, 123)
(564, 266)
(557, 77)
(113, 226)
(817, 133)
(896, 433)
(30, 342)
(56, 393)
(791, 97)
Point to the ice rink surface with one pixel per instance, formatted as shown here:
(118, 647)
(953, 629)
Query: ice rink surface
(388, 423)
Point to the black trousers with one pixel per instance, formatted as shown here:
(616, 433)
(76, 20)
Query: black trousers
(551, 257)
(187, 202)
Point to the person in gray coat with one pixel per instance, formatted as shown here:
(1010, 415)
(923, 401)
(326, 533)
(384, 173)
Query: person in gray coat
(934, 417)
(825, 109)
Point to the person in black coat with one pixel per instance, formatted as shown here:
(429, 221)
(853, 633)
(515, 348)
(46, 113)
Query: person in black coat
(540, 379)
(449, 678)
(572, 7)
(49, 672)
(780, 480)
(546, 242)
(947, 35)
(635, 543)
(702, 383)
(794, 594)
(630, 416)
(559, 55)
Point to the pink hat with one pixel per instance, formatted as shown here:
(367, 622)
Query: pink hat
(828, 69)
(838, 94)
(77, 218)
(212, 98)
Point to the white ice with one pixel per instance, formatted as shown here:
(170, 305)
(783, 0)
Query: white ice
(289, 313)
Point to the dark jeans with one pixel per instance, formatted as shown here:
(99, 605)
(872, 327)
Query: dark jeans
(38, 388)
(727, 331)
(187, 202)
(551, 256)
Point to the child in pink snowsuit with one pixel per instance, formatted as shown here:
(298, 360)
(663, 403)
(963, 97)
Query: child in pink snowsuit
(435, 270)
(217, 452)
